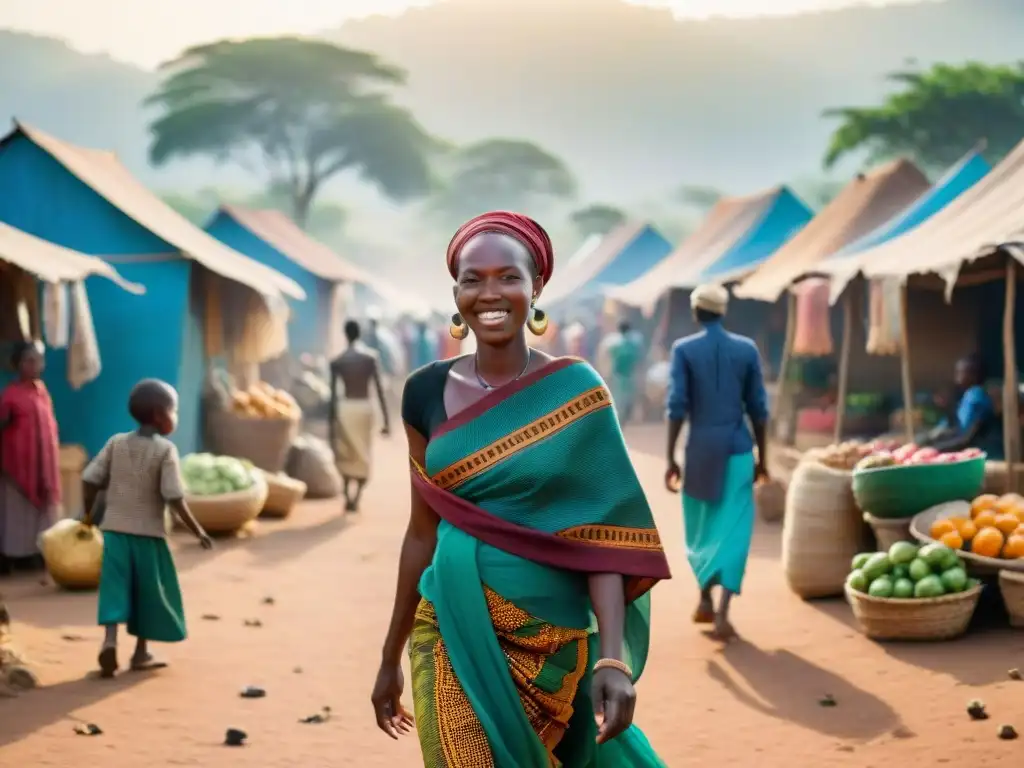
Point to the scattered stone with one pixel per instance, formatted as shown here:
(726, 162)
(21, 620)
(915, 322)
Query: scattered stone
(253, 623)
(320, 717)
(88, 729)
(235, 738)
(72, 638)
(827, 701)
(1007, 732)
(21, 678)
(297, 671)
(252, 692)
(1014, 674)
(976, 709)
(210, 617)
(268, 600)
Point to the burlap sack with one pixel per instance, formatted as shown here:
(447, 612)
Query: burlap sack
(822, 531)
(312, 461)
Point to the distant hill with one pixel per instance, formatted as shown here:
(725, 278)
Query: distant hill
(636, 102)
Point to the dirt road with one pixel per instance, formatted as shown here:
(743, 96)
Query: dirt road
(754, 703)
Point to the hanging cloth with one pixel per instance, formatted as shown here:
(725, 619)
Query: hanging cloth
(885, 331)
(84, 354)
(56, 315)
(813, 336)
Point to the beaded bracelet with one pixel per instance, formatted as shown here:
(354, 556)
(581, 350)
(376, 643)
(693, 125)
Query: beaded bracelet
(622, 666)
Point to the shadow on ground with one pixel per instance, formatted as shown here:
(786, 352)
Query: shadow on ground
(787, 687)
(43, 707)
(994, 648)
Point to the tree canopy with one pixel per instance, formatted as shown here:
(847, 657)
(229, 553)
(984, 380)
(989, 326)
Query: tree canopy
(936, 116)
(299, 111)
(597, 219)
(510, 174)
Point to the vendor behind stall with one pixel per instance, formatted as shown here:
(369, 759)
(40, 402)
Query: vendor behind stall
(976, 423)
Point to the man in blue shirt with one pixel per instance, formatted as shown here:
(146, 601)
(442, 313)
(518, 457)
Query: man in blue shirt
(976, 425)
(717, 385)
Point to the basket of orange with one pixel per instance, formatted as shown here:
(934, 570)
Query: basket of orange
(988, 531)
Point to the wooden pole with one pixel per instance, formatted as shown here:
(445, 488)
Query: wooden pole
(1011, 417)
(844, 364)
(905, 370)
(783, 379)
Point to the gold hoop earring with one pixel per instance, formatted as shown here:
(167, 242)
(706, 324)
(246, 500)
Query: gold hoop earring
(538, 322)
(458, 330)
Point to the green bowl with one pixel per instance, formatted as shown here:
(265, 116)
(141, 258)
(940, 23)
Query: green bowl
(905, 490)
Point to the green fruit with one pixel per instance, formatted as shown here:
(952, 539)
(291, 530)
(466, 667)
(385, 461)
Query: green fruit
(936, 555)
(860, 560)
(903, 588)
(877, 565)
(881, 587)
(972, 583)
(900, 572)
(952, 560)
(929, 586)
(919, 569)
(857, 581)
(954, 580)
(902, 552)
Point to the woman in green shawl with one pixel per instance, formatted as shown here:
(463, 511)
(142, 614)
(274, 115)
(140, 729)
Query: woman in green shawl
(525, 575)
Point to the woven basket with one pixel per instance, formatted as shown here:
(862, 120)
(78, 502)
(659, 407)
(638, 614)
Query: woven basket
(935, 618)
(1011, 584)
(227, 513)
(283, 493)
(822, 531)
(264, 442)
(888, 532)
(770, 499)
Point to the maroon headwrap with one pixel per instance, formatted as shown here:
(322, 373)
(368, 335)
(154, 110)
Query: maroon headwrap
(522, 228)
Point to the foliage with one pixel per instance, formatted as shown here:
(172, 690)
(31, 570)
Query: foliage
(302, 109)
(597, 219)
(698, 197)
(506, 174)
(936, 116)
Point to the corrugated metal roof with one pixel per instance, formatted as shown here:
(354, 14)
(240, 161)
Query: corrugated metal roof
(843, 266)
(102, 172)
(865, 203)
(54, 263)
(988, 216)
(728, 220)
(282, 233)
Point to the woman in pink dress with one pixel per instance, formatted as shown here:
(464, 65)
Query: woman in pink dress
(29, 463)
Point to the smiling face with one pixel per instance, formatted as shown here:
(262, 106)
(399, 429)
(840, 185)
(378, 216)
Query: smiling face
(495, 283)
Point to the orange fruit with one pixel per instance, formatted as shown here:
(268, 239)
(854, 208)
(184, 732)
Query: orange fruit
(983, 502)
(988, 542)
(1008, 502)
(985, 519)
(1007, 523)
(966, 528)
(941, 527)
(952, 539)
(1014, 547)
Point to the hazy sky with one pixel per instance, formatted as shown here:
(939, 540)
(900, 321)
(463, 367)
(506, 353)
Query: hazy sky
(147, 32)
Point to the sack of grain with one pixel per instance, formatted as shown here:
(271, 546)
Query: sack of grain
(311, 461)
(822, 531)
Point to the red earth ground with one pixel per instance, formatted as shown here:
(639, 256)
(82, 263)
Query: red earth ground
(754, 702)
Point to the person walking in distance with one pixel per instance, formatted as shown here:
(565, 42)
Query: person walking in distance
(716, 383)
(352, 420)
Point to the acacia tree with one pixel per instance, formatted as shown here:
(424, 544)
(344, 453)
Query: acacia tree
(597, 219)
(301, 111)
(936, 116)
(501, 174)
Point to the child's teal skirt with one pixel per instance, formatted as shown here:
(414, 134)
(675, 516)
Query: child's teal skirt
(139, 588)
